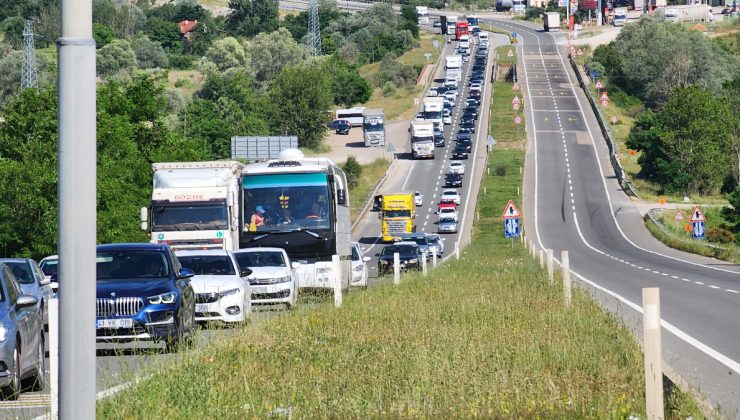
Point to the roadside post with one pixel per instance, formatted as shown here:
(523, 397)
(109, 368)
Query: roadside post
(457, 250)
(653, 357)
(679, 218)
(542, 258)
(511, 218)
(424, 263)
(396, 268)
(567, 287)
(54, 356)
(434, 260)
(550, 273)
(337, 281)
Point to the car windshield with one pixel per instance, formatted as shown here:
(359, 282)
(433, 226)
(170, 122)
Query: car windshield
(50, 266)
(260, 259)
(396, 213)
(21, 270)
(432, 240)
(208, 265)
(447, 220)
(403, 250)
(355, 254)
(420, 241)
(131, 264)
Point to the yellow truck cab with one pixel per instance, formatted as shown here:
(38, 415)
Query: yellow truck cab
(397, 215)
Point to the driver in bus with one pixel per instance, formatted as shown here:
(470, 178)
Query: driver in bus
(315, 212)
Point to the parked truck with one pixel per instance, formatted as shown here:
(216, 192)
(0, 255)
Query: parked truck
(453, 67)
(434, 111)
(688, 13)
(194, 205)
(397, 215)
(373, 127)
(421, 134)
(422, 15)
(552, 21)
(620, 16)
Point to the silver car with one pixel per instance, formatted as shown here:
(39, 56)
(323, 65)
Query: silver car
(32, 282)
(21, 338)
(447, 225)
(436, 244)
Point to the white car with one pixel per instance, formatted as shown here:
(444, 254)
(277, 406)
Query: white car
(436, 244)
(476, 86)
(450, 196)
(418, 198)
(446, 117)
(273, 279)
(221, 289)
(447, 213)
(49, 266)
(359, 266)
(456, 167)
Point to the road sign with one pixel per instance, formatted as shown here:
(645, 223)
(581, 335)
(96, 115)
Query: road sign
(613, 118)
(428, 56)
(604, 102)
(510, 53)
(697, 216)
(435, 44)
(518, 119)
(515, 100)
(513, 35)
(510, 211)
(515, 106)
(698, 230)
(511, 228)
(679, 216)
(604, 96)
(515, 87)
(599, 85)
(579, 52)
(687, 227)
(491, 141)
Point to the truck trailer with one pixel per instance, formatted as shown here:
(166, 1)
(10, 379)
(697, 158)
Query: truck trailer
(688, 13)
(552, 21)
(421, 135)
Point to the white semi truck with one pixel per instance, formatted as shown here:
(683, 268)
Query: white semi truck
(421, 135)
(688, 13)
(433, 110)
(453, 67)
(422, 15)
(451, 23)
(620, 16)
(552, 21)
(194, 205)
(373, 127)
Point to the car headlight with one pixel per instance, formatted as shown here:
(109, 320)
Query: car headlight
(168, 297)
(229, 292)
(285, 279)
(412, 261)
(383, 262)
(3, 333)
(358, 268)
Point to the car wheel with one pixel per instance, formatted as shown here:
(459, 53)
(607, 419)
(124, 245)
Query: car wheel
(12, 391)
(39, 376)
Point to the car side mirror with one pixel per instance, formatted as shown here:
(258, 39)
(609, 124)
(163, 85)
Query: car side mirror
(366, 259)
(245, 272)
(377, 254)
(294, 265)
(44, 281)
(25, 301)
(185, 273)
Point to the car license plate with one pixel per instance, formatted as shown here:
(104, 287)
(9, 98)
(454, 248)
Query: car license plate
(201, 307)
(259, 290)
(115, 323)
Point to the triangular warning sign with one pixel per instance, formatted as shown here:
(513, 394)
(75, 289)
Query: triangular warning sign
(697, 216)
(511, 212)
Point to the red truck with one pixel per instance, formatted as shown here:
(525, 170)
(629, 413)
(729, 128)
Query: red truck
(461, 28)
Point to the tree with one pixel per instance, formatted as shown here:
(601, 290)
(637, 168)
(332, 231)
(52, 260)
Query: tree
(118, 56)
(149, 54)
(250, 17)
(302, 96)
(103, 34)
(165, 32)
(270, 52)
(685, 145)
(226, 53)
(353, 170)
(348, 86)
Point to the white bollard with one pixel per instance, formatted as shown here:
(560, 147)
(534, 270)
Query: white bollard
(424, 263)
(54, 356)
(550, 273)
(396, 268)
(485, 190)
(457, 250)
(434, 260)
(653, 358)
(565, 266)
(542, 258)
(337, 281)
(517, 190)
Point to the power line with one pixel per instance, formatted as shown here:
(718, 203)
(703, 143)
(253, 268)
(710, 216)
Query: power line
(29, 72)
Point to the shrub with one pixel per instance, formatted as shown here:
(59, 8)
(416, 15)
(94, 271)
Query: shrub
(181, 62)
(353, 170)
(389, 89)
(500, 170)
(720, 236)
(533, 13)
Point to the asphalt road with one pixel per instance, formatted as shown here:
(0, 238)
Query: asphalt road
(573, 202)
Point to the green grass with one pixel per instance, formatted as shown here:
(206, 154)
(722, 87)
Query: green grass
(502, 127)
(371, 174)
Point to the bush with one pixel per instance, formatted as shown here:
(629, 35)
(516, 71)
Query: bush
(389, 89)
(533, 13)
(500, 170)
(353, 170)
(720, 236)
(181, 62)
(391, 70)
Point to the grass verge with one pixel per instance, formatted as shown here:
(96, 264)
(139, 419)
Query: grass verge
(481, 337)
(371, 174)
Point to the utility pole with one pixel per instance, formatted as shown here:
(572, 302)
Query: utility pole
(314, 33)
(77, 210)
(29, 72)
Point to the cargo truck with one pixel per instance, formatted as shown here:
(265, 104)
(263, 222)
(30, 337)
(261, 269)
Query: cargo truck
(421, 135)
(552, 21)
(397, 215)
(434, 111)
(194, 205)
(422, 15)
(373, 127)
(453, 67)
(688, 13)
(620, 16)
(472, 21)
(461, 28)
(451, 23)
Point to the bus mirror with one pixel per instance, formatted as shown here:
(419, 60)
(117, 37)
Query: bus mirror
(342, 196)
(144, 225)
(230, 199)
(144, 214)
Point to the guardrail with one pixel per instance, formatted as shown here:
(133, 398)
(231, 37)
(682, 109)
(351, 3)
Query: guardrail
(613, 155)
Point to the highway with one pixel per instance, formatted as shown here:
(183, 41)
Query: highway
(573, 202)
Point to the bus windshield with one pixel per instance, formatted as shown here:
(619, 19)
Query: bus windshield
(167, 216)
(284, 202)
